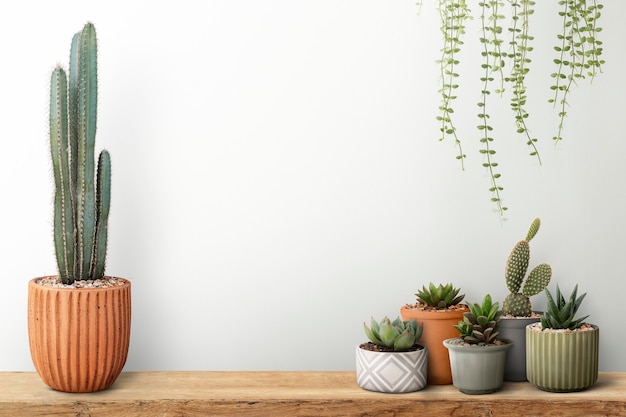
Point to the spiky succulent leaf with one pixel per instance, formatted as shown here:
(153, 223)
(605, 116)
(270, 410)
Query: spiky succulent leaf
(560, 314)
(537, 280)
(439, 297)
(481, 324)
(534, 228)
(517, 265)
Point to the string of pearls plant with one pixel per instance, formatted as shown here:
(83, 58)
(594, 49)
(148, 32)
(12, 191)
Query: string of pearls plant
(505, 61)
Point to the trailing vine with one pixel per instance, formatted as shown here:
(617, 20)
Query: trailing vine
(578, 51)
(579, 56)
(453, 14)
(492, 64)
(519, 55)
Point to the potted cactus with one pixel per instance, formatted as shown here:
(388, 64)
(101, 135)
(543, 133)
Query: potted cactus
(79, 320)
(392, 361)
(438, 308)
(517, 310)
(562, 350)
(478, 355)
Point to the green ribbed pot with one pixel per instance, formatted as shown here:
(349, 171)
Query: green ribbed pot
(562, 361)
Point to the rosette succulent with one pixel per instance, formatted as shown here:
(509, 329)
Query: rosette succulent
(560, 314)
(480, 325)
(440, 297)
(518, 303)
(397, 335)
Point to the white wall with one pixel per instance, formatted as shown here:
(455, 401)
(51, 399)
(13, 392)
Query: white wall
(278, 179)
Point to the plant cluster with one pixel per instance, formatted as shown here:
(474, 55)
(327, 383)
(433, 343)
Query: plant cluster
(81, 205)
(506, 46)
(480, 325)
(397, 335)
(560, 314)
(518, 303)
(439, 297)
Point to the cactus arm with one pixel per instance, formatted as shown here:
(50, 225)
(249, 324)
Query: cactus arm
(63, 211)
(517, 265)
(534, 228)
(537, 280)
(86, 111)
(103, 202)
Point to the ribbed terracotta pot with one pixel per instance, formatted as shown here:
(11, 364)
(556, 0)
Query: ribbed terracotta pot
(562, 361)
(391, 372)
(79, 338)
(438, 326)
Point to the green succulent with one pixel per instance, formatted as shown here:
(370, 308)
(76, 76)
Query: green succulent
(440, 297)
(480, 325)
(518, 303)
(560, 313)
(398, 335)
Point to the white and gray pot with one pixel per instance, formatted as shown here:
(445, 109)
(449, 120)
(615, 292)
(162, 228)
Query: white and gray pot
(391, 372)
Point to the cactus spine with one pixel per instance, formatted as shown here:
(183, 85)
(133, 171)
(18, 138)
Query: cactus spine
(81, 208)
(516, 303)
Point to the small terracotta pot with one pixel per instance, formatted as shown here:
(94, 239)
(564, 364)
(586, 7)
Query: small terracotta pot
(438, 326)
(79, 337)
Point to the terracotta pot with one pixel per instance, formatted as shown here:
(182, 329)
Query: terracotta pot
(562, 361)
(477, 369)
(79, 338)
(438, 326)
(391, 372)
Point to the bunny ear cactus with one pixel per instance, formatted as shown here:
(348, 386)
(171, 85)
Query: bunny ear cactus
(81, 205)
(518, 303)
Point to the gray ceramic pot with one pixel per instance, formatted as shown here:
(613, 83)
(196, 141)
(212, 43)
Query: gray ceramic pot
(514, 329)
(391, 372)
(477, 369)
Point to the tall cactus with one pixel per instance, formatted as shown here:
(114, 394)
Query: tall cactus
(516, 303)
(81, 207)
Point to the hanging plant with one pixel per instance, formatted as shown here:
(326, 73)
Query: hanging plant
(505, 62)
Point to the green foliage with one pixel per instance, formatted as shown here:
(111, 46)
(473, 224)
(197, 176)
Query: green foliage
(516, 303)
(439, 297)
(578, 51)
(560, 313)
(480, 325)
(398, 335)
(505, 60)
(81, 205)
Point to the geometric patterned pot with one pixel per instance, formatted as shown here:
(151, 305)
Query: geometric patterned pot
(391, 372)
(78, 337)
(562, 361)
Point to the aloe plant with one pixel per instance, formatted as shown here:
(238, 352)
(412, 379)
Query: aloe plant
(439, 297)
(81, 205)
(560, 313)
(397, 335)
(518, 303)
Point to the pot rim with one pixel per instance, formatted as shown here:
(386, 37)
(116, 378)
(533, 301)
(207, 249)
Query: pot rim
(34, 282)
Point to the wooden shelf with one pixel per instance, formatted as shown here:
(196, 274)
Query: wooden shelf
(314, 394)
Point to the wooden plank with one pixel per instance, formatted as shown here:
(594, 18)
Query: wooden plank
(315, 394)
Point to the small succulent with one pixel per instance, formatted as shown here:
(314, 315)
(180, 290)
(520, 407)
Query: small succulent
(560, 314)
(480, 325)
(440, 297)
(398, 335)
(518, 303)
